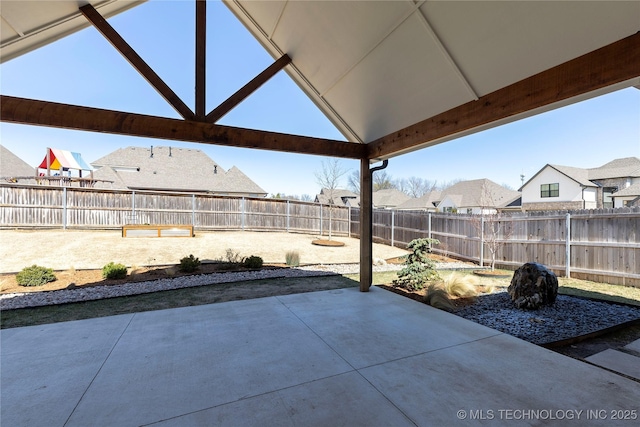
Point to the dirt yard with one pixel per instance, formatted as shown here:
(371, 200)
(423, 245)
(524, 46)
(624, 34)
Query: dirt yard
(73, 253)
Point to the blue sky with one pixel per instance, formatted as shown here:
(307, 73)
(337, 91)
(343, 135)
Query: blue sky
(85, 69)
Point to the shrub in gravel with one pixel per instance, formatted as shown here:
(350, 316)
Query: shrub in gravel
(253, 262)
(35, 276)
(292, 259)
(114, 271)
(189, 264)
(419, 269)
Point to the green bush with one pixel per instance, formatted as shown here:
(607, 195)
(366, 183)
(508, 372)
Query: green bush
(253, 262)
(189, 264)
(419, 269)
(292, 259)
(114, 271)
(35, 276)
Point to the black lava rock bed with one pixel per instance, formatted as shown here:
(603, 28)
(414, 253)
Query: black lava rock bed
(567, 318)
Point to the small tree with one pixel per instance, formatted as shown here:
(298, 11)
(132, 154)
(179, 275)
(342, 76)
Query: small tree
(329, 179)
(491, 225)
(419, 269)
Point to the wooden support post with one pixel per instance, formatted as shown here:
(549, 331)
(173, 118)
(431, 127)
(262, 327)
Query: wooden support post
(201, 49)
(567, 249)
(366, 227)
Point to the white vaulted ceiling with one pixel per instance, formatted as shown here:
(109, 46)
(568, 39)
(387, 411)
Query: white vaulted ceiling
(30, 24)
(378, 66)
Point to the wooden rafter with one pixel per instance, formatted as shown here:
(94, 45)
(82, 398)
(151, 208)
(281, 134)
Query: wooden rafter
(248, 89)
(44, 113)
(612, 64)
(201, 38)
(135, 60)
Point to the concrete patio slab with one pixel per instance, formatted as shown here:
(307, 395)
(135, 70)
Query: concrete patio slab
(633, 346)
(317, 359)
(618, 361)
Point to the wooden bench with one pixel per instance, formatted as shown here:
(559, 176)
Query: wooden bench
(138, 230)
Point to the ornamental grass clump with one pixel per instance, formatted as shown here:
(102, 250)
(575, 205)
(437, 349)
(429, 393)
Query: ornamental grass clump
(419, 269)
(292, 259)
(114, 271)
(189, 264)
(35, 276)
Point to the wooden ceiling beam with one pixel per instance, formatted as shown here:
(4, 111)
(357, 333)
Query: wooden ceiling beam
(201, 54)
(101, 24)
(235, 99)
(44, 113)
(612, 64)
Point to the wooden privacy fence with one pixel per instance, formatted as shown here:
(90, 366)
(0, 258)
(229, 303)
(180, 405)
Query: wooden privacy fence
(55, 207)
(599, 245)
(602, 245)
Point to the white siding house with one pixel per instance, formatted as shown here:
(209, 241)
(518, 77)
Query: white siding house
(557, 187)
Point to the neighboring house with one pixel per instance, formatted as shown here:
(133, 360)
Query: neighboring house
(627, 197)
(172, 169)
(557, 187)
(382, 199)
(478, 196)
(426, 202)
(389, 199)
(12, 166)
(338, 197)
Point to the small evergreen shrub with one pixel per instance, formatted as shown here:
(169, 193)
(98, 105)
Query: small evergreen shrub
(253, 262)
(189, 264)
(35, 276)
(114, 271)
(292, 259)
(419, 269)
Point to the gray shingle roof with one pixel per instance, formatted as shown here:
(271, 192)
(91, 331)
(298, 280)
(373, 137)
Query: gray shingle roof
(13, 166)
(340, 197)
(618, 168)
(632, 190)
(389, 198)
(581, 176)
(480, 193)
(420, 203)
(171, 169)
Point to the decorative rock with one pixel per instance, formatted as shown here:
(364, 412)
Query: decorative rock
(532, 286)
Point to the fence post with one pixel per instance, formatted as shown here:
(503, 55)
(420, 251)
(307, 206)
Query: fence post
(193, 210)
(349, 222)
(429, 228)
(567, 249)
(64, 208)
(320, 219)
(287, 216)
(133, 207)
(393, 218)
(242, 214)
(482, 241)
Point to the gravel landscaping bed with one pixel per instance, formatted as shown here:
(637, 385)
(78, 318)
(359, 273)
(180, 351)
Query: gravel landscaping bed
(12, 301)
(568, 317)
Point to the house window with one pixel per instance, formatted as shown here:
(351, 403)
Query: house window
(550, 190)
(607, 200)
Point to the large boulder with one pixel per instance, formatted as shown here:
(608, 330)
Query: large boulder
(532, 286)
